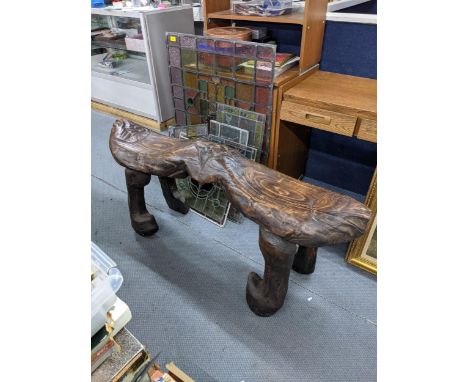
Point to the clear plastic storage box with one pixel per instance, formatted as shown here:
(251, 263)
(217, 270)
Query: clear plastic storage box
(106, 280)
(261, 7)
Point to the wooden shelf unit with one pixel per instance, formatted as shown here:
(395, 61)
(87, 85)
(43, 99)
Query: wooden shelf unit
(217, 13)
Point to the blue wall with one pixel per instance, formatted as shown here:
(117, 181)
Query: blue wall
(350, 48)
(369, 7)
(349, 163)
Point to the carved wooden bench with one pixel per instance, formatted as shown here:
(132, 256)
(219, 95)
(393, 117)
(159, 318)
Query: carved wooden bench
(290, 213)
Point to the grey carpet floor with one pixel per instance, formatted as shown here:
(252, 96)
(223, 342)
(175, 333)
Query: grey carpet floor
(185, 287)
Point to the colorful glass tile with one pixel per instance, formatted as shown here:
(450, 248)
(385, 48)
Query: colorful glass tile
(212, 91)
(203, 86)
(264, 71)
(187, 41)
(245, 50)
(178, 91)
(209, 70)
(194, 119)
(189, 59)
(204, 108)
(245, 69)
(180, 117)
(224, 47)
(220, 93)
(262, 95)
(265, 52)
(262, 109)
(229, 92)
(190, 80)
(206, 62)
(244, 92)
(224, 64)
(176, 76)
(174, 56)
(205, 44)
(179, 104)
(243, 105)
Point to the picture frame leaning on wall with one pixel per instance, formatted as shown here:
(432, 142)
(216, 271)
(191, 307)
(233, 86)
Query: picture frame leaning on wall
(362, 252)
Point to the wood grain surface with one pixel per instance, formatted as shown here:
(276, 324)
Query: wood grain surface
(367, 130)
(337, 92)
(315, 12)
(319, 118)
(266, 295)
(293, 210)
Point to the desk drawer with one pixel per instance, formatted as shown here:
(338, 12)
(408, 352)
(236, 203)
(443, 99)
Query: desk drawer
(367, 130)
(319, 118)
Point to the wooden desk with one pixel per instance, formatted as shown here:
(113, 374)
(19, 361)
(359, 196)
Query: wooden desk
(338, 103)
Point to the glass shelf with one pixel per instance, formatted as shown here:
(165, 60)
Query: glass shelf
(134, 68)
(114, 44)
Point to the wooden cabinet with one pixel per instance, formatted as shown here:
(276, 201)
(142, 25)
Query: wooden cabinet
(337, 103)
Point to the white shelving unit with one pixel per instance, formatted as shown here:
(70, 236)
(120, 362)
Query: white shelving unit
(140, 83)
(342, 4)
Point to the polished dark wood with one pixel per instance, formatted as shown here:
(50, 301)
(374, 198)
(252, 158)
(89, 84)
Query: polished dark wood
(265, 296)
(168, 186)
(304, 261)
(142, 221)
(288, 211)
(299, 212)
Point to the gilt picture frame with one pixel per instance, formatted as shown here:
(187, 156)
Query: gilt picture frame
(362, 252)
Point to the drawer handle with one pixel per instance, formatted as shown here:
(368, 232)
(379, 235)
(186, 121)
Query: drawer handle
(318, 118)
(324, 120)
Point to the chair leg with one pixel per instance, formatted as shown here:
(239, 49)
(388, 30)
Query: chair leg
(266, 296)
(143, 222)
(168, 186)
(304, 261)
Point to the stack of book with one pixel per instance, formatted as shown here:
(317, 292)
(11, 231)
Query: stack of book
(104, 343)
(116, 355)
(284, 61)
(122, 358)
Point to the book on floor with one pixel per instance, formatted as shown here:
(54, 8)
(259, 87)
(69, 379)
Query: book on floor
(119, 316)
(103, 344)
(124, 365)
(99, 356)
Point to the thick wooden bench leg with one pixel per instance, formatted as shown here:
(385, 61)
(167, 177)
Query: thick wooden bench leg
(168, 186)
(304, 261)
(265, 296)
(143, 222)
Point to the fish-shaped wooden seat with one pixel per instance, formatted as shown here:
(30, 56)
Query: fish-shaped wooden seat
(288, 211)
